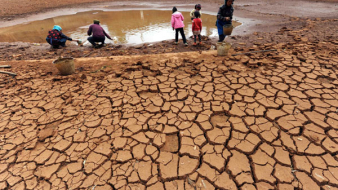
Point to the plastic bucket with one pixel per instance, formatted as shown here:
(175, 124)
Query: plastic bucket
(65, 65)
(223, 48)
(227, 29)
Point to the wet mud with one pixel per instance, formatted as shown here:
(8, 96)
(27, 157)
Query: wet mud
(126, 27)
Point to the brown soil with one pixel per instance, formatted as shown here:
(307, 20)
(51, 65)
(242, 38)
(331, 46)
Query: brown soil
(141, 118)
(262, 21)
(21, 7)
(306, 30)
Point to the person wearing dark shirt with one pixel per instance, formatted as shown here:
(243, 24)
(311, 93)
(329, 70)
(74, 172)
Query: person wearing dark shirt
(224, 16)
(56, 38)
(97, 34)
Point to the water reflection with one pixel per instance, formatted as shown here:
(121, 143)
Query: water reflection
(128, 27)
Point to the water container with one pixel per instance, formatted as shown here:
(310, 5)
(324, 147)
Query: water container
(65, 65)
(223, 48)
(227, 29)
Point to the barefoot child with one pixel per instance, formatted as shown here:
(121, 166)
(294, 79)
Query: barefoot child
(197, 27)
(178, 25)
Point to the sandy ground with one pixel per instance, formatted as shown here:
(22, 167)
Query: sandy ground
(183, 118)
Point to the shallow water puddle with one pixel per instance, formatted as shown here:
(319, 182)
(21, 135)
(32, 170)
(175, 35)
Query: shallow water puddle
(126, 27)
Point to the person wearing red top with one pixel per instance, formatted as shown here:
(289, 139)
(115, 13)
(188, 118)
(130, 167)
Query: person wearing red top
(197, 27)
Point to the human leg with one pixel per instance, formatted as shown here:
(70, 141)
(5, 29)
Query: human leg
(220, 25)
(55, 44)
(183, 36)
(199, 38)
(221, 38)
(195, 40)
(101, 40)
(62, 42)
(176, 35)
(91, 40)
(49, 40)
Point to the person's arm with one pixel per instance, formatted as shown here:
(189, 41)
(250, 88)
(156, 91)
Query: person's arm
(106, 34)
(200, 25)
(193, 25)
(192, 13)
(232, 12)
(219, 14)
(172, 21)
(64, 36)
(182, 17)
(90, 30)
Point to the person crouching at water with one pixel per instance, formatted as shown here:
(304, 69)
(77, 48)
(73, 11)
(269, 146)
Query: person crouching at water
(224, 16)
(197, 27)
(99, 35)
(178, 25)
(56, 38)
(198, 8)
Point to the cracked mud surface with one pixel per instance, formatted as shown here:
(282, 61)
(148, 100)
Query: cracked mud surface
(175, 121)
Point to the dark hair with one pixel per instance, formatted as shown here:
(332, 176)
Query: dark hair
(174, 9)
(225, 1)
(198, 6)
(197, 14)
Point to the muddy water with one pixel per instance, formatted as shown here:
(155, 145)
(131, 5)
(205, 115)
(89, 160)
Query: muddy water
(127, 27)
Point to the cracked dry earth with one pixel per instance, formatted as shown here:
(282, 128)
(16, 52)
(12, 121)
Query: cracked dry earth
(192, 125)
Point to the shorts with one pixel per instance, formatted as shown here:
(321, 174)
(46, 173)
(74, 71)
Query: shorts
(196, 33)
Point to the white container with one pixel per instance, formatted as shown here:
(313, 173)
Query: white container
(223, 48)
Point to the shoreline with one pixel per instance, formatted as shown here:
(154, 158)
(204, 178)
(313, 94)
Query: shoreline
(259, 27)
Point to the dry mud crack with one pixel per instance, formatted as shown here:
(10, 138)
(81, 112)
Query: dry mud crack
(176, 123)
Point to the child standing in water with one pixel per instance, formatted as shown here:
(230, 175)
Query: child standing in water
(178, 25)
(197, 27)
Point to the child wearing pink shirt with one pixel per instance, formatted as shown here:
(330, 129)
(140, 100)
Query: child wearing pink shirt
(178, 25)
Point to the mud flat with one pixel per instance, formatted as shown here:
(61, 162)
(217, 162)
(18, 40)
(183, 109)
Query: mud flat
(177, 120)
(261, 22)
(136, 27)
(183, 118)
